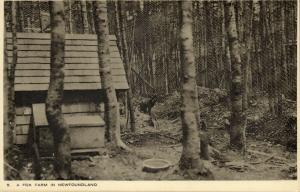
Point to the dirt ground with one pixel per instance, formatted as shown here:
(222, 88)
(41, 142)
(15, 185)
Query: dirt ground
(265, 159)
(155, 144)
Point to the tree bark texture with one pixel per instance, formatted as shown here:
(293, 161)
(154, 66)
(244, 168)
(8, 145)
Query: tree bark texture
(8, 136)
(191, 142)
(58, 125)
(283, 51)
(127, 64)
(84, 16)
(11, 69)
(117, 27)
(237, 138)
(70, 16)
(247, 57)
(112, 112)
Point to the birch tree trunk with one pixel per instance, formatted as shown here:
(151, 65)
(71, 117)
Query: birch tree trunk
(247, 80)
(58, 125)
(84, 16)
(12, 67)
(190, 158)
(237, 122)
(70, 16)
(8, 140)
(21, 16)
(112, 112)
(275, 69)
(283, 50)
(118, 28)
(127, 63)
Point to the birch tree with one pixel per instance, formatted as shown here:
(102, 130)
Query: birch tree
(84, 16)
(237, 132)
(58, 125)
(112, 112)
(12, 67)
(129, 96)
(190, 158)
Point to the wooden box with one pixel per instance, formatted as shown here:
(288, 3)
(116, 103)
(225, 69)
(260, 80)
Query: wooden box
(86, 130)
(87, 135)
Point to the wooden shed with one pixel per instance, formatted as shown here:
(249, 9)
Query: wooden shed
(83, 96)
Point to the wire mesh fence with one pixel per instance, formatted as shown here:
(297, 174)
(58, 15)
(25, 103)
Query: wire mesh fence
(152, 32)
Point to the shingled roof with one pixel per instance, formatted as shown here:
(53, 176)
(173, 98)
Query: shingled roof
(81, 62)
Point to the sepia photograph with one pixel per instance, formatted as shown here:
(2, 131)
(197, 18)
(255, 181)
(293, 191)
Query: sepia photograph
(150, 90)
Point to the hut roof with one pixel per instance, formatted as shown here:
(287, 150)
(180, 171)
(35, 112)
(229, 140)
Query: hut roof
(81, 62)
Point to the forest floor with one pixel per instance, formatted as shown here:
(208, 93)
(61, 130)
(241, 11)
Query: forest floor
(160, 144)
(267, 157)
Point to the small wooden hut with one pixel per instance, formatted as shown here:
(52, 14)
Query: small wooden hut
(83, 96)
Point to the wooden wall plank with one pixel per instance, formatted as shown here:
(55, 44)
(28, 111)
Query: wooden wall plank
(22, 130)
(68, 79)
(39, 114)
(46, 73)
(69, 73)
(30, 54)
(22, 120)
(115, 66)
(47, 42)
(47, 36)
(80, 48)
(85, 121)
(33, 66)
(66, 108)
(69, 86)
(81, 54)
(82, 138)
(21, 139)
(67, 60)
(24, 110)
(79, 107)
(87, 137)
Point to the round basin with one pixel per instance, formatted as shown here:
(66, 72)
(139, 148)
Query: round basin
(155, 165)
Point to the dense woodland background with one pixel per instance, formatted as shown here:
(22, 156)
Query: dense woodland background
(267, 35)
(246, 70)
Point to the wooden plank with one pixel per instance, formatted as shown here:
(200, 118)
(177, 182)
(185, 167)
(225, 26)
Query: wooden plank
(79, 107)
(68, 79)
(81, 137)
(25, 60)
(87, 137)
(22, 129)
(21, 139)
(116, 67)
(121, 85)
(76, 75)
(80, 48)
(29, 54)
(47, 36)
(69, 86)
(84, 121)
(69, 74)
(32, 66)
(47, 42)
(23, 120)
(39, 114)
(24, 110)
(66, 115)
(66, 108)
(89, 150)
(46, 73)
